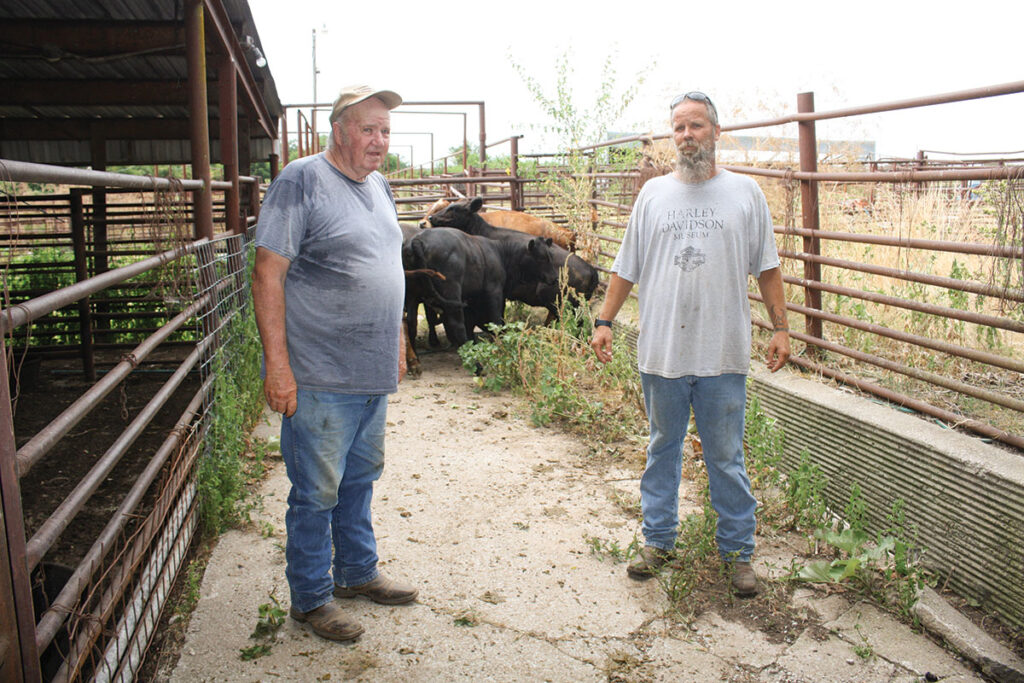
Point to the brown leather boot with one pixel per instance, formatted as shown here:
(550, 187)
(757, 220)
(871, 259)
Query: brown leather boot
(329, 621)
(381, 590)
(744, 580)
(648, 562)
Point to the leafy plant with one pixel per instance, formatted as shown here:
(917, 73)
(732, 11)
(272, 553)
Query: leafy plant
(271, 618)
(884, 570)
(612, 548)
(765, 442)
(231, 459)
(804, 494)
(555, 369)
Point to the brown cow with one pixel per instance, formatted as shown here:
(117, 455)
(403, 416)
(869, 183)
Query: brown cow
(514, 220)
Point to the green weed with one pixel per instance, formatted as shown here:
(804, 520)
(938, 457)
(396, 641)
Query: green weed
(612, 549)
(271, 619)
(232, 460)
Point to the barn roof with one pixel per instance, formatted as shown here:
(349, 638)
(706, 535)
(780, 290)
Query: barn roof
(76, 73)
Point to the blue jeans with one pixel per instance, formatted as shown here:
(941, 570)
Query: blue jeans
(719, 406)
(333, 448)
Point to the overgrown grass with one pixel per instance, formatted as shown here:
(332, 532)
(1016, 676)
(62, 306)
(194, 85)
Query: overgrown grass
(232, 460)
(555, 369)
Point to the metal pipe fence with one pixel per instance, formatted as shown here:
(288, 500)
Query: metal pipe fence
(966, 320)
(116, 575)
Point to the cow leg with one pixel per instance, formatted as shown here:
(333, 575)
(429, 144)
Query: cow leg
(433, 320)
(412, 307)
(412, 362)
(454, 321)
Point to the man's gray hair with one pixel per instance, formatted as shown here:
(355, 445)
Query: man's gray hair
(697, 96)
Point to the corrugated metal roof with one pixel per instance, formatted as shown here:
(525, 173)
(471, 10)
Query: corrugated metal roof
(72, 71)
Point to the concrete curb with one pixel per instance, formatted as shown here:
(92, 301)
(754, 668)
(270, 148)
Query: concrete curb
(994, 660)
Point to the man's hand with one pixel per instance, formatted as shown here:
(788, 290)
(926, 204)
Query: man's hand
(778, 350)
(601, 342)
(280, 391)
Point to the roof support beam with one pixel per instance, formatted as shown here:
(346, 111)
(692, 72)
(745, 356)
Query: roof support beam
(196, 48)
(109, 128)
(229, 141)
(221, 26)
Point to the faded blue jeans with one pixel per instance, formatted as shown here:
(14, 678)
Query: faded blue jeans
(333, 448)
(719, 406)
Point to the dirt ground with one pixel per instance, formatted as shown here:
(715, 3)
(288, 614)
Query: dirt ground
(497, 522)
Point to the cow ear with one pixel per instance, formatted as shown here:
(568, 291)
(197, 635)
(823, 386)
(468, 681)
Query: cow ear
(475, 204)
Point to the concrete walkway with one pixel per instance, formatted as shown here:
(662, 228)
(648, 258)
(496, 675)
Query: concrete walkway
(493, 518)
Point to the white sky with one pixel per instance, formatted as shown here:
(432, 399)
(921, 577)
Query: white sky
(752, 58)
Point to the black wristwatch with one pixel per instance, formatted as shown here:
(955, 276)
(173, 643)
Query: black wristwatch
(598, 322)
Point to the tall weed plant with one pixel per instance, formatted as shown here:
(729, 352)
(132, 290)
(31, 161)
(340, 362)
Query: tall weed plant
(570, 186)
(554, 367)
(231, 460)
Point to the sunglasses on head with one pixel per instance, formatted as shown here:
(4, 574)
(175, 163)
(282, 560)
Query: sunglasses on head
(696, 96)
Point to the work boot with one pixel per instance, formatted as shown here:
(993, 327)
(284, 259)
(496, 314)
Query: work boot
(648, 562)
(744, 580)
(329, 621)
(381, 590)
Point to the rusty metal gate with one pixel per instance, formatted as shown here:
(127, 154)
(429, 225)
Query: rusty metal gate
(98, 615)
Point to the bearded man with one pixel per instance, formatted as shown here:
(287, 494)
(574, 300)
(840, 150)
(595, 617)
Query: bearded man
(692, 239)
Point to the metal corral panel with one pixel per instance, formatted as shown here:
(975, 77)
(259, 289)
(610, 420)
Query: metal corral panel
(965, 497)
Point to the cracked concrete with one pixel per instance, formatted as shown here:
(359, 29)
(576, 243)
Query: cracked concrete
(492, 518)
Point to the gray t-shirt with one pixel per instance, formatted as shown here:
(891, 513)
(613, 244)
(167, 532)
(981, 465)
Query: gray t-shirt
(345, 289)
(690, 247)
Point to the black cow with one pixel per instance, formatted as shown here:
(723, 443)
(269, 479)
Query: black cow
(479, 272)
(580, 275)
(418, 288)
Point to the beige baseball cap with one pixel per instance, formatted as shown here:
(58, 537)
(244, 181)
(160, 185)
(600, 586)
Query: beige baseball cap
(354, 94)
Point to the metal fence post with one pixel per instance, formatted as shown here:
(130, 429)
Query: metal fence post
(809, 212)
(14, 529)
(78, 240)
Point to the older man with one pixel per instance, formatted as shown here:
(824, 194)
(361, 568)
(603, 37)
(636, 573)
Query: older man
(328, 288)
(691, 241)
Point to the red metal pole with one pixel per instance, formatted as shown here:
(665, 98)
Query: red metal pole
(809, 210)
(227, 104)
(14, 539)
(284, 144)
(199, 116)
(78, 240)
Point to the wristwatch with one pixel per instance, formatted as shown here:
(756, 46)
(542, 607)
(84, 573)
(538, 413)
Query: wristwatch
(599, 322)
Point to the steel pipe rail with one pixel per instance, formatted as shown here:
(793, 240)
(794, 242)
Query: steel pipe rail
(40, 444)
(65, 600)
(23, 313)
(1011, 88)
(908, 243)
(55, 524)
(909, 276)
(918, 405)
(28, 172)
(995, 360)
(931, 309)
(908, 176)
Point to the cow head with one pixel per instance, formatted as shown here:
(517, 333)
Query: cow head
(457, 214)
(543, 266)
(436, 207)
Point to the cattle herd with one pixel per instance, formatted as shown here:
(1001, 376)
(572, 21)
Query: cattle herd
(463, 264)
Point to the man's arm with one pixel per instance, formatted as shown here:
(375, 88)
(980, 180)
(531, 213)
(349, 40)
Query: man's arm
(774, 296)
(268, 300)
(618, 290)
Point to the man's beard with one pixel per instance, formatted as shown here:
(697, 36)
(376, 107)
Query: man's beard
(698, 166)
